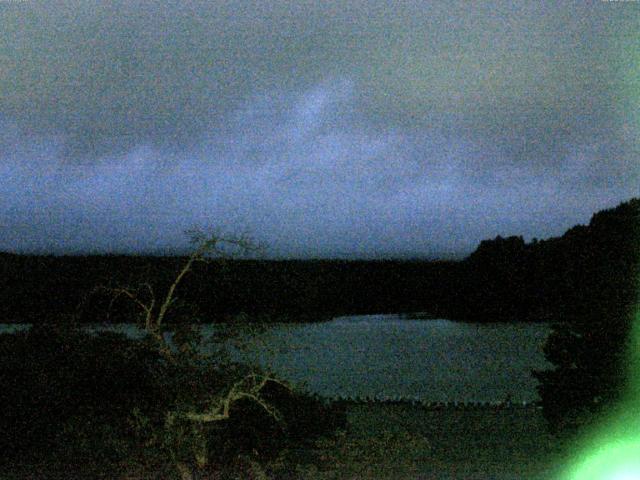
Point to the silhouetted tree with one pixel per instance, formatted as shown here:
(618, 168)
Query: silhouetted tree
(113, 398)
(198, 428)
(588, 348)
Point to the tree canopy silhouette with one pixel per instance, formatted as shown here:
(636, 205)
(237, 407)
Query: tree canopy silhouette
(588, 348)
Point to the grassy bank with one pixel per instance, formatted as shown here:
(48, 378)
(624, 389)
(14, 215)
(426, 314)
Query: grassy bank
(405, 442)
(393, 442)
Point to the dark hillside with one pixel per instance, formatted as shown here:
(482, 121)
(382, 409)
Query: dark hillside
(35, 286)
(590, 268)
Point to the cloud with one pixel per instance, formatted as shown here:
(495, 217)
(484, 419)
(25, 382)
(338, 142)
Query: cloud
(291, 171)
(325, 128)
(109, 76)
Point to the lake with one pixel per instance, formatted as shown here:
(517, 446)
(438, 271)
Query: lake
(388, 356)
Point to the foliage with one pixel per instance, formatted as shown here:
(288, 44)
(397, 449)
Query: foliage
(70, 394)
(150, 401)
(589, 350)
(65, 391)
(198, 429)
(272, 290)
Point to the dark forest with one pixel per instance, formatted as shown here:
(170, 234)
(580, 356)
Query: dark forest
(590, 267)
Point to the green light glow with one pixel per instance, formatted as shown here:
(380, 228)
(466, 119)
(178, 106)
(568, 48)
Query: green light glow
(617, 461)
(612, 451)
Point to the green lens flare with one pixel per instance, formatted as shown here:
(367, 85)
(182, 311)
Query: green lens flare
(617, 461)
(613, 451)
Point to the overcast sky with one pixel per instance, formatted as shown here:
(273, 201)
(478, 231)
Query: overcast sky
(321, 128)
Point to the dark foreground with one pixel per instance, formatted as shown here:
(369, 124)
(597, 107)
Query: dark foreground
(407, 442)
(394, 442)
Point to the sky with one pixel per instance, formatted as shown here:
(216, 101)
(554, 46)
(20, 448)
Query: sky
(350, 129)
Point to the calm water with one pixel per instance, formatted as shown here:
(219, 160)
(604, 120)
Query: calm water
(385, 356)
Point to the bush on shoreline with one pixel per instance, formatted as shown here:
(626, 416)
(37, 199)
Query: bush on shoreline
(68, 394)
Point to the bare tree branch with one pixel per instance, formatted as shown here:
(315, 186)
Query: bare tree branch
(242, 389)
(155, 310)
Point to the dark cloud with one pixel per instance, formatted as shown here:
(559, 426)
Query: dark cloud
(325, 128)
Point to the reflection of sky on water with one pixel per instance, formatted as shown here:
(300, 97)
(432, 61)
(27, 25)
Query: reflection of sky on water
(386, 356)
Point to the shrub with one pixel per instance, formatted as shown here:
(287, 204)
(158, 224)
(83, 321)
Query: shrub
(105, 397)
(590, 350)
(61, 388)
(90, 393)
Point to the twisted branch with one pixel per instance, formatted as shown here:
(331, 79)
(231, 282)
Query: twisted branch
(239, 390)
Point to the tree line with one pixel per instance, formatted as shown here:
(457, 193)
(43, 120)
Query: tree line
(590, 268)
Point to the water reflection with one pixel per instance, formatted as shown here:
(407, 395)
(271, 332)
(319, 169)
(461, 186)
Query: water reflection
(387, 356)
